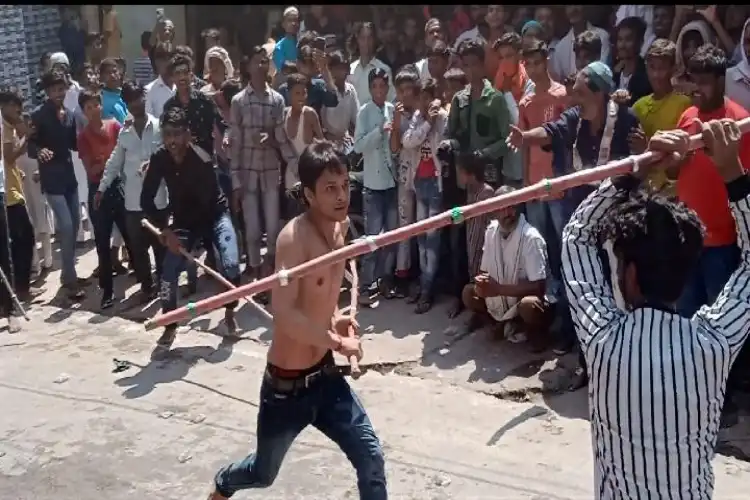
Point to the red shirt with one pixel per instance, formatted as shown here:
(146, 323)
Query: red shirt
(95, 147)
(426, 167)
(701, 187)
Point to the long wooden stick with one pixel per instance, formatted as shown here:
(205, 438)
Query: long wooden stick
(354, 297)
(362, 246)
(218, 277)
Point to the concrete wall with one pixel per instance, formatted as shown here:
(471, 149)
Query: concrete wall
(135, 19)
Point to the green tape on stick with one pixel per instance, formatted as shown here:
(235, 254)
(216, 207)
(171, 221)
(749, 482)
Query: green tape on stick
(191, 309)
(547, 185)
(456, 215)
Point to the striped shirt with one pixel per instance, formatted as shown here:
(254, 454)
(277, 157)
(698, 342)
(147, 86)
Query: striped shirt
(657, 380)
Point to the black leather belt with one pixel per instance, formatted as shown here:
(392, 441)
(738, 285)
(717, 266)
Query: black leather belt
(283, 384)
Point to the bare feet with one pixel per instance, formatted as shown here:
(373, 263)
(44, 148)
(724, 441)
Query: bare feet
(216, 496)
(456, 309)
(14, 325)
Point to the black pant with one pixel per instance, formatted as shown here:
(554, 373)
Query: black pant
(111, 211)
(140, 241)
(16, 247)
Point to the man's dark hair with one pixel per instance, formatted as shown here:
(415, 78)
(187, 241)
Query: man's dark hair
(637, 26)
(44, 58)
(337, 59)
(296, 79)
(319, 156)
(107, 65)
(536, 47)
(53, 77)
(176, 117)
(456, 74)
(87, 95)
(590, 42)
(511, 39)
(185, 51)
(10, 95)
(163, 50)
(429, 87)
(229, 89)
(352, 45)
(471, 48)
(146, 40)
(180, 60)
(439, 49)
(376, 73)
(289, 67)
(708, 59)
(255, 50)
(661, 238)
(407, 74)
(472, 163)
(662, 48)
(307, 38)
(212, 34)
(305, 54)
(132, 91)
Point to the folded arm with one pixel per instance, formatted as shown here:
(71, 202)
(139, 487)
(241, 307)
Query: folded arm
(591, 298)
(730, 314)
(366, 139)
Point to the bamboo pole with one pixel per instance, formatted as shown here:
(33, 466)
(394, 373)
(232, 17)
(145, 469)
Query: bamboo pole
(540, 190)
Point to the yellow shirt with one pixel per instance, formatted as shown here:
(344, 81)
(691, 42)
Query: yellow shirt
(13, 175)
(655, 115)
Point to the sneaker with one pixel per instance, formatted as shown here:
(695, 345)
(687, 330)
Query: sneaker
(107, 301)
(74, 292)
(365, 297)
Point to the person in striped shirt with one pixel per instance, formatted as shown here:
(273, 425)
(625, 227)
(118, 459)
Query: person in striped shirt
(657, 379)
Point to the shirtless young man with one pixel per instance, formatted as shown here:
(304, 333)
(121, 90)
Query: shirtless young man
(301, 385)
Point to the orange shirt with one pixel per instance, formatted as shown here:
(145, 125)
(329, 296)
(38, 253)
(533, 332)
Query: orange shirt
(701, 187)
(534, 110)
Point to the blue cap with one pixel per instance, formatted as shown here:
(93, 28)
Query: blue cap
(529, 25)
(601, 76)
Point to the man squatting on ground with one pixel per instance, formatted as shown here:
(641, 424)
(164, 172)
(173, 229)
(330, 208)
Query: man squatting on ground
(199, 210)
(658, 379)
(301, 385)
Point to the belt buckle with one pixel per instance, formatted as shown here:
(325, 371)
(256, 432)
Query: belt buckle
(310, 378)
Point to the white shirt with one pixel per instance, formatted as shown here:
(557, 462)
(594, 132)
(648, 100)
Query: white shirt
(358, 76)
(157, 95)
(343, 117)
(126, 160)
(70, 102)
(524, 252)
(470, 34)
(563, 58)
(737, 86)
(657, 379)
(423, 70)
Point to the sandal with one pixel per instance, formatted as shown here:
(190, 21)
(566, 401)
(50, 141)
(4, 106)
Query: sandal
(423, 305)
(386, 290)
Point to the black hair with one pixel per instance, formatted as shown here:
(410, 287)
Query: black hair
(211, 34)
(131, 91)
(107, 64)
(708, 59)
(471, 48)
(319, 156)
(472, 163)
(229, 89)
(590, 42)
(289, 67)
(637, 26)
(511, 39)
(456, 74)
(429, 87)
(663, 239)
(185, 50)
(162, 50)
(377, 73)
(296, 79)
(87, 95)
(10, 95)
(662, 48)
(122, 64)
(337, 59)
(44, 58)
(305, 54)
(146, 40)
(175, 116)
(438, 49)
(180, 60)
(358, 28)
(53, 77)
(255, 50)
(536, 47)
(307, 38)
(407, 74)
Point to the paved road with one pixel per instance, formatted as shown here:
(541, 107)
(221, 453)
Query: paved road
(460, 417)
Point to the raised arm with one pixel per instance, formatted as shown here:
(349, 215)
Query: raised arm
(591, 299)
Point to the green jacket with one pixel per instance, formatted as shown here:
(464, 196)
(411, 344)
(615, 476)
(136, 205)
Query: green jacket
(482, 124)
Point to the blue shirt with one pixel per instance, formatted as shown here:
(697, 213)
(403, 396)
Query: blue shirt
(318, 95)
(374, 144)
(113, 106)
(284, 50)
(57, 176)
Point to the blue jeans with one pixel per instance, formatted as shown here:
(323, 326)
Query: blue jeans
(66, 209)
(711, 273)
(329, 405)
(429, 203)
(381, 214)
(225, 242)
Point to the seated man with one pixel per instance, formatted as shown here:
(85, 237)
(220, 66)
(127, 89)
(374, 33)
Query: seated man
(199, 210)
(512, 278)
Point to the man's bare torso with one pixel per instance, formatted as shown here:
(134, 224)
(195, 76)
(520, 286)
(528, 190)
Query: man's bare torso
(318, 295)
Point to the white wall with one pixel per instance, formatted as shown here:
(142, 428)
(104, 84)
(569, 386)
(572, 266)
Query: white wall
(135, 19)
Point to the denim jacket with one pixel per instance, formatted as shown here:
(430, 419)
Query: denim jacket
(373, 143)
